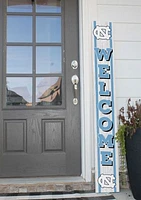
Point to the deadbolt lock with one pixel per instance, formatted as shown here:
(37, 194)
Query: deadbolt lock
(74, 64)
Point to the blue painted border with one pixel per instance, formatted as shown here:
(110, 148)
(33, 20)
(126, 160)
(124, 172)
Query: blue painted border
(97, 109)
(113, 103)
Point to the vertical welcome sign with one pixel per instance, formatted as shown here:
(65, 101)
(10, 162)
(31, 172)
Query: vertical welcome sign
(106, 157)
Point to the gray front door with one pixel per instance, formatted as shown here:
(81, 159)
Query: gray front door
(39, 124)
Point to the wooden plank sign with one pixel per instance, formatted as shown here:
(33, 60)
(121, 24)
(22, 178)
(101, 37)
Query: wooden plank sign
(106, 154)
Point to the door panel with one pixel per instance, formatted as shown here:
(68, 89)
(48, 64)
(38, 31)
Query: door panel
(40, 126)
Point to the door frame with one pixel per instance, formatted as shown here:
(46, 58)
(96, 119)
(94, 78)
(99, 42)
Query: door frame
(87, 14)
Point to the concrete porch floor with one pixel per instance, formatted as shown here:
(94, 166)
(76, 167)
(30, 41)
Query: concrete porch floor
(124, 194)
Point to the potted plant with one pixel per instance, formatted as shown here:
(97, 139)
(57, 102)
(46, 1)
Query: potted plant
(129, 138)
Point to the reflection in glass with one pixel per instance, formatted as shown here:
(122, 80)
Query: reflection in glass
(19, 59)
(48, 91)
(19, 6)
(48, 29)
(19, 29)
(19, 91)
(48, 6)
(48, 59)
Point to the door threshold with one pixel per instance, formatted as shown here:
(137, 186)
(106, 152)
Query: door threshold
(38, 180)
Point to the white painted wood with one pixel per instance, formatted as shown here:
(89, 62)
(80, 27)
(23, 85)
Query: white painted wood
(126, 14)
(120, 2)
(115, 113)
(86, 161)
(128, 88)
(127, 50)
(87, 12)
(102, 170)
(128, 69)
(127, 32)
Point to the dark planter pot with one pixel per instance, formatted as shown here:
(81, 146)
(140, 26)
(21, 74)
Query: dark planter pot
(133, 157)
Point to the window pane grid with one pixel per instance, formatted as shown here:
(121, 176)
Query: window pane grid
(28, 63)
(27, 6)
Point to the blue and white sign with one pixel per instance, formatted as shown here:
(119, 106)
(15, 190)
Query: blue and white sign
(106, 154)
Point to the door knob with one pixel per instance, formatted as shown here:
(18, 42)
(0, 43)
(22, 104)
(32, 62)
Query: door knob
(75, 81)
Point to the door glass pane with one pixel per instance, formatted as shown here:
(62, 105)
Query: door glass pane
(48, 59)
(19, 29)
(48, 91)
(19, 6)
(19, 91)
(48, 29)
(48, 6)
(19, 59)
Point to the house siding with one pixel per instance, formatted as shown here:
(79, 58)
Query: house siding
(126, 18)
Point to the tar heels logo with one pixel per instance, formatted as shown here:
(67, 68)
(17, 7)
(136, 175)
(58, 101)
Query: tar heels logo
(107, 181)
(102, 32)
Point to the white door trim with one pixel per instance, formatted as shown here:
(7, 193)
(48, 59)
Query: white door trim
(87, 13)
